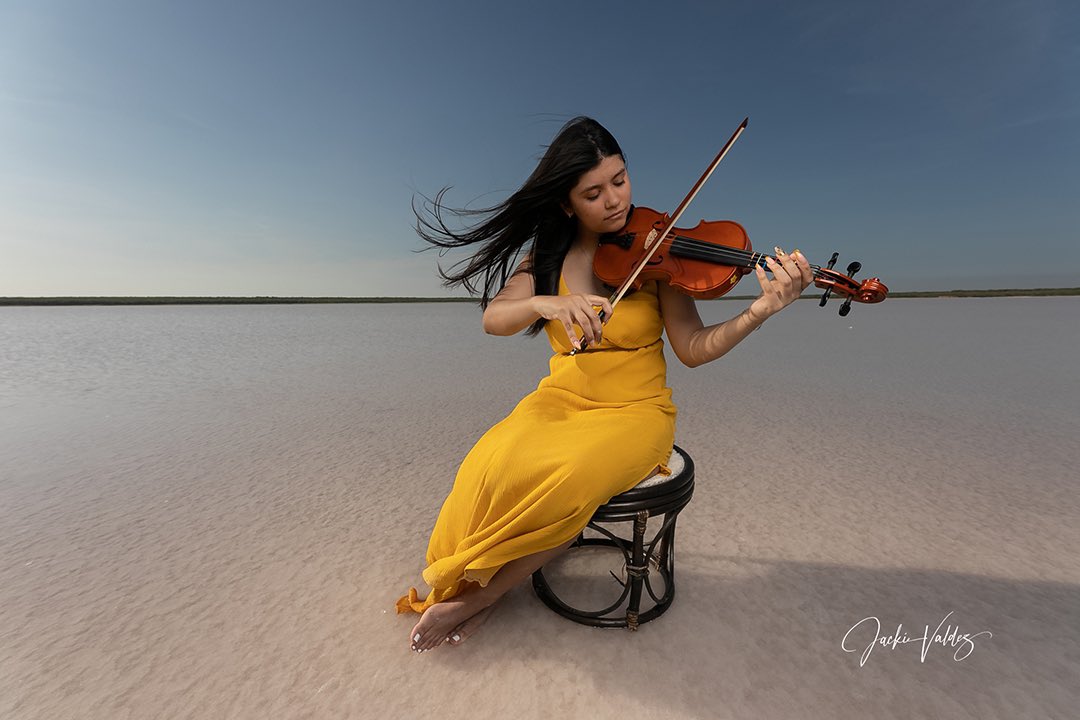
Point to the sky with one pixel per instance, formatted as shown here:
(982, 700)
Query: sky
(273, 148)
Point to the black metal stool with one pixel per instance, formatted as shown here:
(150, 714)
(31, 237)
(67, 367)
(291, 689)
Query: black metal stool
(656, 495)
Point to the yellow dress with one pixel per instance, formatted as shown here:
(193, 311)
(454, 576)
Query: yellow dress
(597, 425)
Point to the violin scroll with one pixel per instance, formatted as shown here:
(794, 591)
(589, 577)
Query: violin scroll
(868, 291)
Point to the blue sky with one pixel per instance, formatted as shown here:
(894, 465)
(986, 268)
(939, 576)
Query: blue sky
(266, 148)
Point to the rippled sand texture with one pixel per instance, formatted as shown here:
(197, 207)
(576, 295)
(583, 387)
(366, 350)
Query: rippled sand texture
(208, 513)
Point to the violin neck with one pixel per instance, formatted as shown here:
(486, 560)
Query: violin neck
(682, 246)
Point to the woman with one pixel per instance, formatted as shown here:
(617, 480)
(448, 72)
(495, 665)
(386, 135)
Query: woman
(603, 419)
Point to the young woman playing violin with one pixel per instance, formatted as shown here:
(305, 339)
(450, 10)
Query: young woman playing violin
(603, 419)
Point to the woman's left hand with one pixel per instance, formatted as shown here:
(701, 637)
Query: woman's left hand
(791, 275)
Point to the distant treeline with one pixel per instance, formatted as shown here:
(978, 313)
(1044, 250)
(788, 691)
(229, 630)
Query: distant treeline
(180, 300)
(1023, 292)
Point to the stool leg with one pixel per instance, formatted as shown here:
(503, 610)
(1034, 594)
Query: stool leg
(664, 545)
(636, 571)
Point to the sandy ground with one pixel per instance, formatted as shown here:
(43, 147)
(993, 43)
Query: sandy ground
(235, 552)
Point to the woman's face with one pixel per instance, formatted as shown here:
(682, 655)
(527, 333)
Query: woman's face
(601, 198)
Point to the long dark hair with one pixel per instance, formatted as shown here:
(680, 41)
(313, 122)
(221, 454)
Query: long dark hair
(533, 214)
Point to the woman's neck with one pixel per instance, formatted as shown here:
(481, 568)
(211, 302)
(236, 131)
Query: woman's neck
(587, 240)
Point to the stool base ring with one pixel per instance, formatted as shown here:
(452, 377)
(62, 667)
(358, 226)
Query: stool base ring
(639, 559)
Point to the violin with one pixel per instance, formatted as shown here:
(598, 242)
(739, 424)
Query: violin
(706, 261)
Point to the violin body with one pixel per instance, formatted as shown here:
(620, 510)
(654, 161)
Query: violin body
(619, 253)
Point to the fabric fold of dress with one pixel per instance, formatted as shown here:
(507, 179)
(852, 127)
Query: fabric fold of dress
(597, 425)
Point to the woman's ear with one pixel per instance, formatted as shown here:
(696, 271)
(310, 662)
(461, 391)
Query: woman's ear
(567, 209)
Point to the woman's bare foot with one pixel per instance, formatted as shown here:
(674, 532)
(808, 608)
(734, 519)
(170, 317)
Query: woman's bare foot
(439, 620)
(463, 631)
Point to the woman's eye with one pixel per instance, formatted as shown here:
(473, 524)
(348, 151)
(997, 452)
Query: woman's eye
(591, 197)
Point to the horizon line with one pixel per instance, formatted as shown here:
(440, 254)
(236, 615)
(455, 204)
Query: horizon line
(296, 299)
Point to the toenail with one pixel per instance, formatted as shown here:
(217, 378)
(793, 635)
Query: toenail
(456, 637)
(416, 637)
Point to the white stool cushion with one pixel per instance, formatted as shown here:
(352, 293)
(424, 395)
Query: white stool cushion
(675, 463)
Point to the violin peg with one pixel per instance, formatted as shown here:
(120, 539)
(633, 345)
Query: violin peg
(828, 291)
(852, 268)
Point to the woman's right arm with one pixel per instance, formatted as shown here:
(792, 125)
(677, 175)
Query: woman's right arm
(513, 309)
(517, 306)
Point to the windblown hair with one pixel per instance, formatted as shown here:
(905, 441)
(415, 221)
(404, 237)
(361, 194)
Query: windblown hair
(533, 215)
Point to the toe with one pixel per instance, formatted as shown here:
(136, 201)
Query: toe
(463, 631)
(430, 641)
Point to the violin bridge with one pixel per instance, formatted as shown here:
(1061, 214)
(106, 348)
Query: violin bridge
(651, 238)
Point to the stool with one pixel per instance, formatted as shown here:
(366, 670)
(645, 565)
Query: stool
(656, 495)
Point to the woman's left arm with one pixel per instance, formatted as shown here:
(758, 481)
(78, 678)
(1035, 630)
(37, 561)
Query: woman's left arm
(694, 344)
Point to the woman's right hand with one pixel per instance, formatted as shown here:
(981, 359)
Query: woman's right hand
(574, 309)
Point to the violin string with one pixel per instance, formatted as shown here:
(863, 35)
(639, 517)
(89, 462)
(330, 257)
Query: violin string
(722, 254)
(707, 250)
(699, 247)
